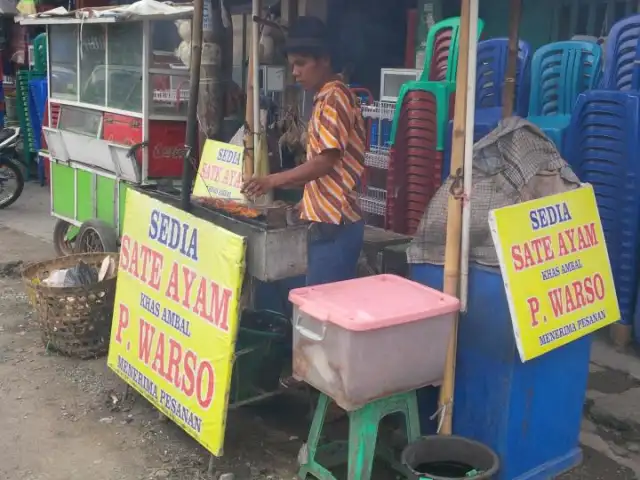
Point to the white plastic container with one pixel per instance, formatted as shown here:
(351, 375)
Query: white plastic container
(372, 337)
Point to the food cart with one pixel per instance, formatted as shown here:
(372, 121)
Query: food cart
(116, 115)
(116, 134)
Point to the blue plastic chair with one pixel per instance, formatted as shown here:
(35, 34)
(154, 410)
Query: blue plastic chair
(635, 76)
(559, 73)
(490, 72)
(603, 148)
(38, 93)
(621, 54)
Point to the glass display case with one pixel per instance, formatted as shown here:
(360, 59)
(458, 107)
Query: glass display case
(63, 62)
(118, 84)
(100, 66)
(117, 102)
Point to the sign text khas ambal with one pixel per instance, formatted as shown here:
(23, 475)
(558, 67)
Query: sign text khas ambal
(176, 314)
(556, 270)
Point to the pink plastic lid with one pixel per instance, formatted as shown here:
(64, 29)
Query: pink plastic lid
(374, 302)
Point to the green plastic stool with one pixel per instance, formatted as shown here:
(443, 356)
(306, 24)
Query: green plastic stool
(441, 91)
(363, 438)
(452, 23)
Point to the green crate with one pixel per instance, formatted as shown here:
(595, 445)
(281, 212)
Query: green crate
(40, 53)
(22, 108)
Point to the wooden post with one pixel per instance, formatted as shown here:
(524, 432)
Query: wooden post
(213, 72)
(288, 14)
(509, 90)
(454, 218)
(191, 140)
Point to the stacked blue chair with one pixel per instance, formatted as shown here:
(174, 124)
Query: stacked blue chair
(490, 74)
(559, 73)
(620, 58)
(635, 76)
(603, 148)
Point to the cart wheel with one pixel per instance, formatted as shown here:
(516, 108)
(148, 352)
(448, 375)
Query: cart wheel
(61, 243)
(96, 236)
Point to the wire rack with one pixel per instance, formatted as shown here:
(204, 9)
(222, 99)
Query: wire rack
(379, 110)
(378, 157)
(374, 201)
(379, 117)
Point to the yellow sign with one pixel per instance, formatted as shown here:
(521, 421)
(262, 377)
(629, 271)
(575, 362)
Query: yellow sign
(555, 269)
(175, 320)
(220, 171)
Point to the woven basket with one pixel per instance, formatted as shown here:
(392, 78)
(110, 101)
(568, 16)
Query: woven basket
(75, 321)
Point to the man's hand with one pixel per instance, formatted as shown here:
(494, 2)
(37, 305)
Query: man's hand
(258, 186)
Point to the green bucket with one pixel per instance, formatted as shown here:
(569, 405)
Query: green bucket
(262, 350)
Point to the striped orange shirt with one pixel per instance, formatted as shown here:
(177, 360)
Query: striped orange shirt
(336, 124)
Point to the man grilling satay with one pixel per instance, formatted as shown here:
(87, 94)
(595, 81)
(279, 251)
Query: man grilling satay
(335, 159)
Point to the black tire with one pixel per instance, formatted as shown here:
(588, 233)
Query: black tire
(15, 169)
(96, 236)
(61, 245)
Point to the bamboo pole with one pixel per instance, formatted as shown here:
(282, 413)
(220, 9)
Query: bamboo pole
(454, 219)
(191, 140)
(509, 90)
(249, 144)
(252, 112)
(468, 153)
(255, 91)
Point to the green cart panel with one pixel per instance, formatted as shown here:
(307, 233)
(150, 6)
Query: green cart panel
(85, 195)
(63, 190)
(80, 195)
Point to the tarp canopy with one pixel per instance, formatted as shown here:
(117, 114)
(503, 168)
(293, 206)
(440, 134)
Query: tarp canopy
(138, 11)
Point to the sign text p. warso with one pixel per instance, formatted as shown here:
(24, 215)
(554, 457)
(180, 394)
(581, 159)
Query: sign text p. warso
(176, 314)
(556, 270)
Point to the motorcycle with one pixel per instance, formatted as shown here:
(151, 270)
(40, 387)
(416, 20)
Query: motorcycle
(11, 177)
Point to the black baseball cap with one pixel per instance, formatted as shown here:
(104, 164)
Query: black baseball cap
(307, 36)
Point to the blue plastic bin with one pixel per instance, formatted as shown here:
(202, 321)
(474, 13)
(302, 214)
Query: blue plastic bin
(528, 413)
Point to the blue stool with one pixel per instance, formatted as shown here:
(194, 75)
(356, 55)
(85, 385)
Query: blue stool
(554, 127)
(486, 119)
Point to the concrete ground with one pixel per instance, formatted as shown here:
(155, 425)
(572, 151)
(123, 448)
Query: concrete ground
(30, 214)
(62, 419)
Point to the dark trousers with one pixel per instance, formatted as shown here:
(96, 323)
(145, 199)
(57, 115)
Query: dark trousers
(333, 252)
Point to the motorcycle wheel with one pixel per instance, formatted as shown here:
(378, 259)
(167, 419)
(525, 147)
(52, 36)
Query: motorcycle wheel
(10, 173)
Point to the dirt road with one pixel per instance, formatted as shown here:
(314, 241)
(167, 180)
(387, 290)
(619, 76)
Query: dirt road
(62, 419)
